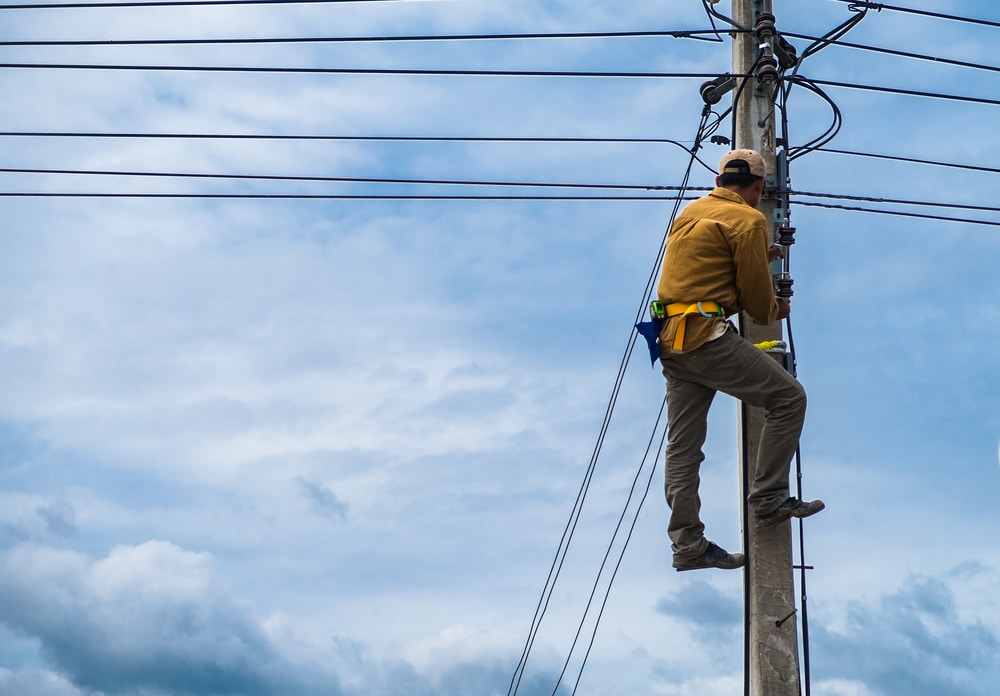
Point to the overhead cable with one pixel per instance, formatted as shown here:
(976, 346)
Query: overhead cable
(713, 13)
(908, 92)
(376, 138)
(334, 196)
(466, 73)
(897, 201)
(900, 54)
(570, 528)
(177, 3)
(912, 160)
(454, 139)
(351, 71)
(677, 34)
(900, 213)
(428, 182)
(925, 13)
(832, 129)
(340, 179)
(834, 34)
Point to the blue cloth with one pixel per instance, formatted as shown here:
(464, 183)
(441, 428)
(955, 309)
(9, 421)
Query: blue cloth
(650, 330)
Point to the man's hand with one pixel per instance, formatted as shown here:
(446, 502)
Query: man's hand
(784, 309)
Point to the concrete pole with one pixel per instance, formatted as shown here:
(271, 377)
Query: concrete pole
(772, 651)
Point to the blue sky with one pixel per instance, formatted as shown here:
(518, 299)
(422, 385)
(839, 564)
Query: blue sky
(329, 446)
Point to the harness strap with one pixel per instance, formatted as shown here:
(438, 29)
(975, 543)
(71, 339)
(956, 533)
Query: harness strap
(705, 308)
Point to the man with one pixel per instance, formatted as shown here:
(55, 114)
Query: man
(717, 263)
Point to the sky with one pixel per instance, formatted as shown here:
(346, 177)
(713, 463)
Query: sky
(301, 446)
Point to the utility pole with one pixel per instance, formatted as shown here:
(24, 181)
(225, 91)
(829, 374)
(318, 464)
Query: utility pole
(772, 651)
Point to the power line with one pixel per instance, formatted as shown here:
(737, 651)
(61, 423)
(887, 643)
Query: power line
(453, 139)
(925, 13)
(913, 160)
(468, 73)
(326, 196)
(897, 201)
(179, 3)
(899, 213)
(455, 197)
(898, 53)
(704, 129)
(446, 182)
(375, 138)
(342, 179)
(908, 92)
(354, 71)
(677, 34)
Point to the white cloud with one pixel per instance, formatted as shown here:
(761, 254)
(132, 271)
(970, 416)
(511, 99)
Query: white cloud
(912, 640)
(371, 417)
(144, 617)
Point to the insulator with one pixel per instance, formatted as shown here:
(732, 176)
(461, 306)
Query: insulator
(763, 28)
(786, 235)
(784, 283)
(709, 94)
(767, 69)
(713, 90)
(788, 55)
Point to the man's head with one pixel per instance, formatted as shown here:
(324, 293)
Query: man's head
(743, 171)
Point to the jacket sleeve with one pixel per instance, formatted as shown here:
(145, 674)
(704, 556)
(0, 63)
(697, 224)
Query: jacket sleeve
(754, 285)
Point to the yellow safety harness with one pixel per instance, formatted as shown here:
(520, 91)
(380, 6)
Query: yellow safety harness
(682, 309)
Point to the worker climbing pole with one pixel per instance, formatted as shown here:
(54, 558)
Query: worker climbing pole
(726, 256)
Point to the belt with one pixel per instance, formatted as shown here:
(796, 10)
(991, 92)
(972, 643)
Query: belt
(682, 309)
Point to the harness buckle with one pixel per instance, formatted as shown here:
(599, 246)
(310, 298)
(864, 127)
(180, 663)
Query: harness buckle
(703, 313)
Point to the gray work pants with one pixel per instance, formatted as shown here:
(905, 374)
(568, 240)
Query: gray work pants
(734, 366)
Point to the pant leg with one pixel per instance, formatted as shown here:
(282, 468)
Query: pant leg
(688, 403)
(734, 366)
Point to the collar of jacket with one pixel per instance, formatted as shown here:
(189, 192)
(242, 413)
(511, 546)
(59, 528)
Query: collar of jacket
(720, 192)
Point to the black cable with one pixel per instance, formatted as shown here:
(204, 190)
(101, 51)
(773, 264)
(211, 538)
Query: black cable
(570, 528)
(351, 71)
(342, 179)
(330, 196)
(914, 160)
(677, 34)
(512, 197)
(900, 213)
(908, 92)
(712, 12)
(900, 54)
(803, 597)
(647, 296)
(607, 555)
(925, 13)
(628, 537)
(831, 36)
(373, 138)
(178, 3)
(897, 201)
(831, 131)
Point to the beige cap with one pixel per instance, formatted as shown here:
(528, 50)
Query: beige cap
(743, 162)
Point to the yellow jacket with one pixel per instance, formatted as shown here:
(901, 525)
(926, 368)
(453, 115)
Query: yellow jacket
(716, 251)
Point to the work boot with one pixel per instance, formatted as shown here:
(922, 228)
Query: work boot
(793, 507)
(714, 557)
